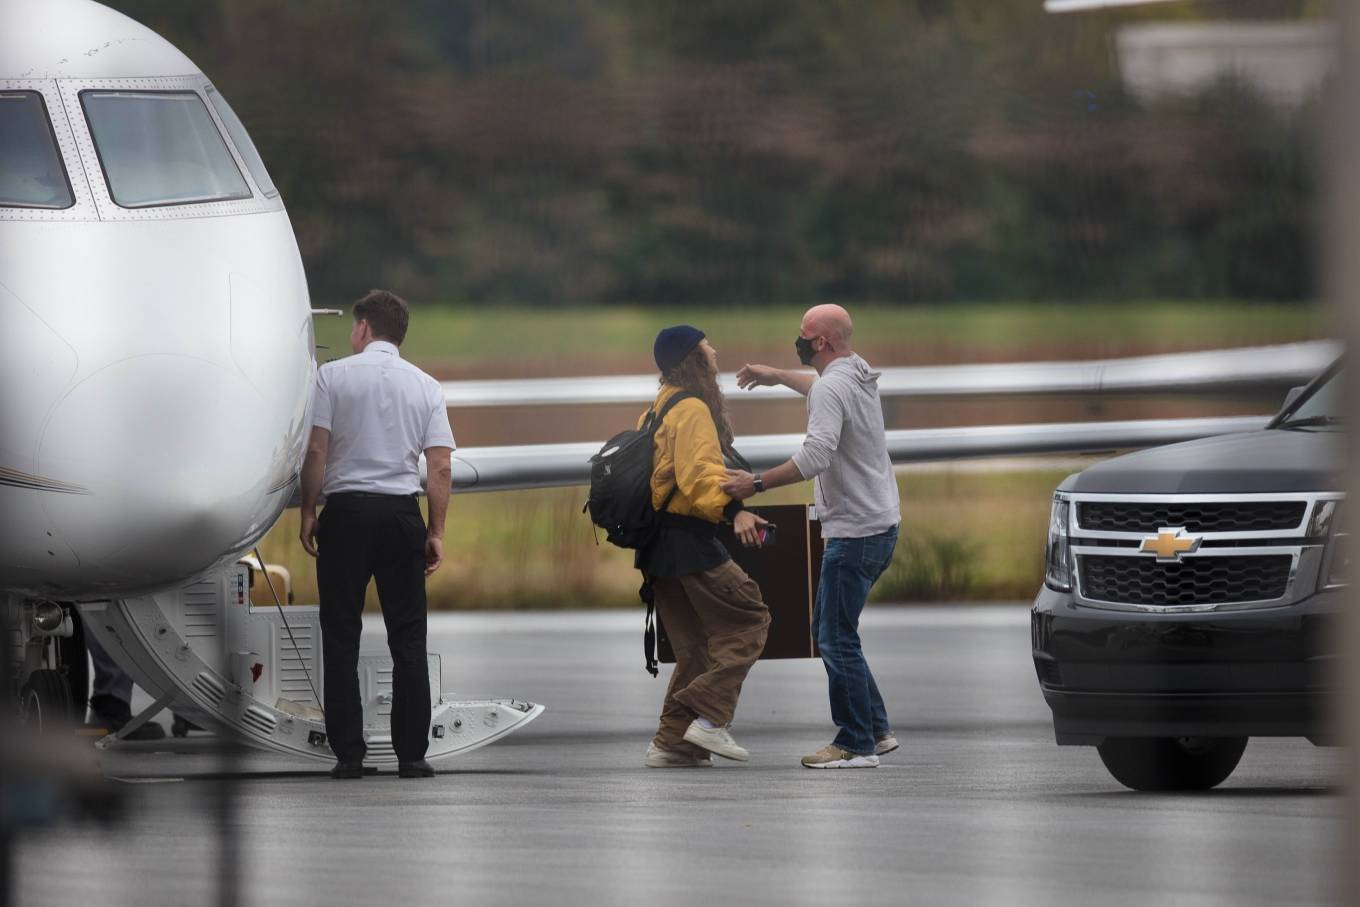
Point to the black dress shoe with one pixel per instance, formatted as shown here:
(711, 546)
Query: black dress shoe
(149, 731)
(112, 724)
(421, 769)
(347, 770)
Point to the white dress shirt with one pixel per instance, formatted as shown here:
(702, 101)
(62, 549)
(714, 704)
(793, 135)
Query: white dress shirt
(382, 412)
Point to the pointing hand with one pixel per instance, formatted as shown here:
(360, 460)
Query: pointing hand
(757, 376)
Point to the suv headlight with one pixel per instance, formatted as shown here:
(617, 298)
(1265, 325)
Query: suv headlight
(1058, 552)
(1336, 564)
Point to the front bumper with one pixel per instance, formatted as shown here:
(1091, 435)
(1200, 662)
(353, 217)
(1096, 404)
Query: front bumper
(1257, 673)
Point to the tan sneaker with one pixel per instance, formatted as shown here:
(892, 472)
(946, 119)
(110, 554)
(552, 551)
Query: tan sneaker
(716, 740)
(659, 758)
(832, 756)
(885, 745)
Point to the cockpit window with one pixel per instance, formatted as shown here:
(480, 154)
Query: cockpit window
(31, 171)
(237, 130)
(161, 148)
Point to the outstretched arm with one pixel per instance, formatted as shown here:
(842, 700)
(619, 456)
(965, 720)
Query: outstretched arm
(741, 484)
(767, 376)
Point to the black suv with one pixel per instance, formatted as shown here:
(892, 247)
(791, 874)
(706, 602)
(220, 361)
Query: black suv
(1189, 592)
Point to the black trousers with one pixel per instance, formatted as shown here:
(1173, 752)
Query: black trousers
(380, 537)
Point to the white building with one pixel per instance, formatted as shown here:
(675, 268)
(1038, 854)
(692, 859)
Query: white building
(1287, 61)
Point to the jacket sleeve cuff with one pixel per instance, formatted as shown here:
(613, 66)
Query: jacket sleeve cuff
(734, 507)
(808, 465)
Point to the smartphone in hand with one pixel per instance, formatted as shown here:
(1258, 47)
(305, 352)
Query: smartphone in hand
(767, 534)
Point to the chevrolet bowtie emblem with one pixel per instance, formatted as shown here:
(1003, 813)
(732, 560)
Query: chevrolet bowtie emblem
(1170, 544)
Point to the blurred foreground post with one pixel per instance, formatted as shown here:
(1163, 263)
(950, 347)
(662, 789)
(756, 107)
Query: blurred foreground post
(1342, 280)
(7, 728)
(226, 810)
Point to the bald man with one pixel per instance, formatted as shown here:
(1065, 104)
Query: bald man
(846, 452)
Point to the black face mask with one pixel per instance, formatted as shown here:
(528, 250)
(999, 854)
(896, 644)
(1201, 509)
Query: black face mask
(805, 350)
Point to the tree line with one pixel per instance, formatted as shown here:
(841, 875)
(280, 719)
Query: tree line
(594, 151)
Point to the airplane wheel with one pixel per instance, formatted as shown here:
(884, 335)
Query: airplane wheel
(1171, 763)
(46, 701)
(74, 659)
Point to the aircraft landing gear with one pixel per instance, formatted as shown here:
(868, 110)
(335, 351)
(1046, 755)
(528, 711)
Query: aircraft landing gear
(45, 701)
(48, 662)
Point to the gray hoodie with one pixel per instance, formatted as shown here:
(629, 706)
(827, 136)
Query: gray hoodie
(847, 451)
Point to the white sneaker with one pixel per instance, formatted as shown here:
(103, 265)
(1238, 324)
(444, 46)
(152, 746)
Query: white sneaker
(885, 745)
(716, 740)
(659, 758)
(832, 756)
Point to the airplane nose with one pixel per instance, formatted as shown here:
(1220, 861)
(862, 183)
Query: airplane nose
(161, 442)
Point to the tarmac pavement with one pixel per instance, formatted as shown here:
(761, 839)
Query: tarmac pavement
(979, 805)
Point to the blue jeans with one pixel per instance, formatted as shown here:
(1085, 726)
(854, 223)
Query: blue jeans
(850, 567)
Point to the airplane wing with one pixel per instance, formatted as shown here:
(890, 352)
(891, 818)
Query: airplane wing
(1252, 368)
(1080, 6)
(551, 465)
(1247, 368)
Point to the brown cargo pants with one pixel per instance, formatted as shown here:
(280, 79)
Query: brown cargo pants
(716, 622)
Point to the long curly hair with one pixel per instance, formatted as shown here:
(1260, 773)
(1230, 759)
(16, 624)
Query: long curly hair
(694, 374)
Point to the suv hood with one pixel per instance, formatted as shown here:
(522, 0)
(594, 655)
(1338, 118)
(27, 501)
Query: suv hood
(1251, 462)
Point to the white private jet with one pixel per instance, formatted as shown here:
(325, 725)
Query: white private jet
(157, 374)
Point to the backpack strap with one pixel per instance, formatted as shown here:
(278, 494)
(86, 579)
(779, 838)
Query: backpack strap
(737, 458)
(646, 593)
(648, 596)
(654, 418)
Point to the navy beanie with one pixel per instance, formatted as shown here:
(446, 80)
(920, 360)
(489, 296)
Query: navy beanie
(674, 344)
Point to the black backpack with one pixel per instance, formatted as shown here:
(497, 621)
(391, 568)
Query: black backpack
(620, 499)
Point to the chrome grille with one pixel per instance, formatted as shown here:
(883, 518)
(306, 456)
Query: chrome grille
(1195, 516)
(1193, 581)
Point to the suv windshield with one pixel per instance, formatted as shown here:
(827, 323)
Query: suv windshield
(1319, 408)
(31, 172)
(161, 148)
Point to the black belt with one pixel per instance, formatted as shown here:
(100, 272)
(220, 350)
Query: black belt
(370, 495)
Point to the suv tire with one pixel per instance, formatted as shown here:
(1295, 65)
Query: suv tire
(1171, 763)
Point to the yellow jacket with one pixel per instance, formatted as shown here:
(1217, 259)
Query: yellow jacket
(687, 453)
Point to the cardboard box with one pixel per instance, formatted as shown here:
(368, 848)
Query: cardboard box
(787, 573)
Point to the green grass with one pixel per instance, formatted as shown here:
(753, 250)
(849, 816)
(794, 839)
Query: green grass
(499, 336)
(965, 535)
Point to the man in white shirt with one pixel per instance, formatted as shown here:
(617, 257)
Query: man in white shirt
(373, 413)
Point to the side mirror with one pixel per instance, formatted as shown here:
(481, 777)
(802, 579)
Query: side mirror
(1290, 397)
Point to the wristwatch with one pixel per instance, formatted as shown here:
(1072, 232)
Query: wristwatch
(759, 482)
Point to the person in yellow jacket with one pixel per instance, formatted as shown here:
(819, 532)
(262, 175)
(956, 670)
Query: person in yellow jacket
(712, 611)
